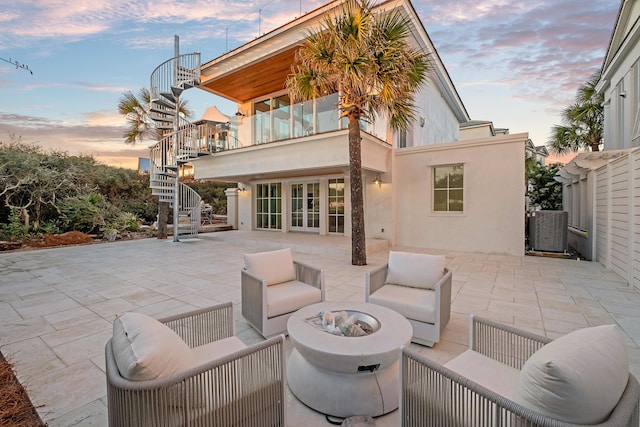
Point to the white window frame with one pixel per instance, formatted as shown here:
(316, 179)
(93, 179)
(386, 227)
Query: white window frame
(448, 190)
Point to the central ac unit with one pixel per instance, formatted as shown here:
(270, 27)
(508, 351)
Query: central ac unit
(548, 230)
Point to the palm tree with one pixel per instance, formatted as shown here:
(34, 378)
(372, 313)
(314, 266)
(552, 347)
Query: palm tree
(364, 57)
(137, 110)
(584, 121)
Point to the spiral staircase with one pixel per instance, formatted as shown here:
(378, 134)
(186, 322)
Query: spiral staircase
(177, 141)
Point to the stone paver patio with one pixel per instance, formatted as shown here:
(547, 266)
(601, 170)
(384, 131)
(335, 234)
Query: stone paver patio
(57, 305)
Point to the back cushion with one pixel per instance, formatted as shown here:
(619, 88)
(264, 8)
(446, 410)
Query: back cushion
(274, 266)
(416, 270)
(578, 378)
(145, 349)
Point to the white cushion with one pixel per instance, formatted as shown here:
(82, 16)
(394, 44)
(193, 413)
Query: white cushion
(497, 377)
(578, 378)
(217, 349)
(413, 303)
(416, 270)
(274, 266)
(145, 349)
(290, 296)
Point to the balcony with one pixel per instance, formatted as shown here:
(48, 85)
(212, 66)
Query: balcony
(304, 138)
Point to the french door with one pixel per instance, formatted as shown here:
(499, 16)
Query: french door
(305, 206)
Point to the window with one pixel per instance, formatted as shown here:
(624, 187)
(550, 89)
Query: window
(281, 117)
(269, 206)
(448, 185)
(405, 138)
(262, 121)
(336, 205)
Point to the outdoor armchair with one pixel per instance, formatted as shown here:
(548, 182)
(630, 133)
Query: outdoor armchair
(418, 286)
(510, 377)
(274, 286)
(189, 369)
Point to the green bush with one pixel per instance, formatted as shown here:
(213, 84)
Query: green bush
(14, 230)
(83, 213)
(544, 191)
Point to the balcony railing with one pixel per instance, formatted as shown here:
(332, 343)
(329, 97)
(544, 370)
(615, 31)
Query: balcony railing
(278, 124)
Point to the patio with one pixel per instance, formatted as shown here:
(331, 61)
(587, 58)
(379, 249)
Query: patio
(57, 305)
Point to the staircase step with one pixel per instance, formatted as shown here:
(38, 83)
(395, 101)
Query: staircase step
(168, 96)
(164, 104)
(176, 91)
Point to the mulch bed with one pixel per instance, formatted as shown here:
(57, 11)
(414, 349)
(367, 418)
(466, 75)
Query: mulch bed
(16, 409)
(68, 238)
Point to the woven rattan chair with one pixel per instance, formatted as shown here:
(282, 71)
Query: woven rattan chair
(274, 286)
(434, 395)
(243, 388)
(425, 302)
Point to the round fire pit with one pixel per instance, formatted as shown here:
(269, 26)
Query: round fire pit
(346, 375)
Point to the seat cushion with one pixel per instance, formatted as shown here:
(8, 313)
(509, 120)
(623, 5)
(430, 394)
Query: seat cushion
(145, 349)
(290, 296)
(497, 377)
(416, 270)
(217, 349)
(413, 303)
(577, 378)
(273, 267)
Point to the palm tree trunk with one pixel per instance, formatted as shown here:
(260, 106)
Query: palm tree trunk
(163, 215)
(358, 246)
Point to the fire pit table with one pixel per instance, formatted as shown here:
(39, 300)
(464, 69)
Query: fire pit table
(344, 376)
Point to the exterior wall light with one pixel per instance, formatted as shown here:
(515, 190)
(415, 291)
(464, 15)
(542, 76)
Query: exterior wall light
(378, 181)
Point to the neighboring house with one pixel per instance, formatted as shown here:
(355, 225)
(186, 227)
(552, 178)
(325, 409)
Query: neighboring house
(602, 189)
(424, 188)
(539, 153)
(144, 165)
(480, 129)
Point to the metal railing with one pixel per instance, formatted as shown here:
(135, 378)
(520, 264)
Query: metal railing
(182, 71)
(291, 122)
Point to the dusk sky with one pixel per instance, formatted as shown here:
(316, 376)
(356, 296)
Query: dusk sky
(517, 63)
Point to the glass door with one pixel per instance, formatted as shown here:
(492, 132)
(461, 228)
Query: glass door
(305, 206)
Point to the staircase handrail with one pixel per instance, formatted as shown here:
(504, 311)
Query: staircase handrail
(190, 205)
(168, 74)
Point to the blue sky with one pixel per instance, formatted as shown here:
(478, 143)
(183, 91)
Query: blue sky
(517, 63)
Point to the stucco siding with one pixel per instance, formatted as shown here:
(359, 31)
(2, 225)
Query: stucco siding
(494, 187)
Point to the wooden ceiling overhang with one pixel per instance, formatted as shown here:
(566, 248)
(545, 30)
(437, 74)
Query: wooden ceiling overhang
(241, 82)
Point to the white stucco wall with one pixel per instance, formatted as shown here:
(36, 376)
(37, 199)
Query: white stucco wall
(377, 206)
(494, 188)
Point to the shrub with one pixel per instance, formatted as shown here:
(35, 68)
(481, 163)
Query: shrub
(14, 230)
(83, 213)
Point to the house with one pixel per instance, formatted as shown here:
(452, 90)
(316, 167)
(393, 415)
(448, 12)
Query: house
(539, 152)
(601, 190)
(426, 187)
